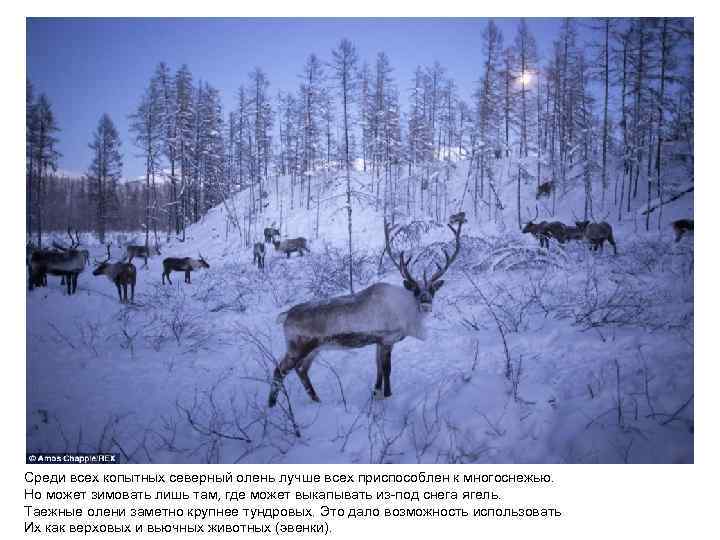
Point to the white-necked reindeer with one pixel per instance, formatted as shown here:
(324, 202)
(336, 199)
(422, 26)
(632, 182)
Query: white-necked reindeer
(380, 315)
(121, 274)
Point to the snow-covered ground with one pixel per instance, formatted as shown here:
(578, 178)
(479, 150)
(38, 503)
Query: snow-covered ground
(598, 366)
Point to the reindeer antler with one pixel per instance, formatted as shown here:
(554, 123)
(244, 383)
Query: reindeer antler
(449, 259)
(402, 266)
(537, 212)
(95, 261)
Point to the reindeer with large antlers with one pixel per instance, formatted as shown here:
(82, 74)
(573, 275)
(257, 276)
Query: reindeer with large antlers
(381, 315)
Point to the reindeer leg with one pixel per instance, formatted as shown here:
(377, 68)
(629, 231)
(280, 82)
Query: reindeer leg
(302, 368)
(387, 360)
(611, 239)
(295, 354)
(379, 365)
(75, 278)
(287, 363)
(132, 292)
(117, 284)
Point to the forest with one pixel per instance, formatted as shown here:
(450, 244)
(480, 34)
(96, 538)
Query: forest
(608, 111)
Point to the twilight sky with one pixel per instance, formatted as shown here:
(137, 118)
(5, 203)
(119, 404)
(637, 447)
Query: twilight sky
(91, 66)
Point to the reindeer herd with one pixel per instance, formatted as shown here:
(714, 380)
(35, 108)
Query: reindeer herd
(69, 262)
(289, 246)
(380, 315)
(596, 234)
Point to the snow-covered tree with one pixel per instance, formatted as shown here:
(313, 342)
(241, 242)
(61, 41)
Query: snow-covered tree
(104, 173)
(344, 66)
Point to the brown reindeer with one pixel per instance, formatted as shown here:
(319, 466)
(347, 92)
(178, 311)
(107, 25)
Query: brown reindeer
(557, 230)
(682, 226)
(458, 218)
(538, 230)
(186, 264)
(596, 234)
(291, 245)
(121, 274)
(574, 233)
(141, 251)
(259, 255)
(270, 233)
(380, 315)
(545, 189)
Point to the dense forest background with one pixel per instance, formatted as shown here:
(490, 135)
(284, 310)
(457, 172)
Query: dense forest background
(609, 112)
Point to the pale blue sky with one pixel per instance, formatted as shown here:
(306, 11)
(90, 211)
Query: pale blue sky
(91, 66)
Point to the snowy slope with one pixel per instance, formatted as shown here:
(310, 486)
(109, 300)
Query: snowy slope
(600, 348)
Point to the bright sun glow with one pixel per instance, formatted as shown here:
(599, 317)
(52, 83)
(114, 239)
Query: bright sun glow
(525, 78)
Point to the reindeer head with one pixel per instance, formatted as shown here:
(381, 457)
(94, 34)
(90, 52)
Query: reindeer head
(424, 291)
(529, 227)
(100, 269)
(102, 266)
(202, 261)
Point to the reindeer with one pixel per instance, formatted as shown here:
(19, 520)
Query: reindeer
(121, 274)
(74, 245)
(557, 230)
(270, 234)
(574, 233)
(141, 251)
(682, 226)
(290, 245)
(545, 189)
(380, 315)
(186, 264)
(596, 234)
(538, 230)
(259, 255)
(458, 218)
(68, 264)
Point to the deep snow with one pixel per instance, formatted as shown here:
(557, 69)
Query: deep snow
(600, 349)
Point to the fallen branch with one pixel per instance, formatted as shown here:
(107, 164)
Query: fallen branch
(671, 199)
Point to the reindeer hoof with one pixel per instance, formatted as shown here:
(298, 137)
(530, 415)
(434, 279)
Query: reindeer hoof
(378, 395)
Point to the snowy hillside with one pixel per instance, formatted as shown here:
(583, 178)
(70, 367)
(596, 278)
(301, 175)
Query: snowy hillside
(533, 355)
